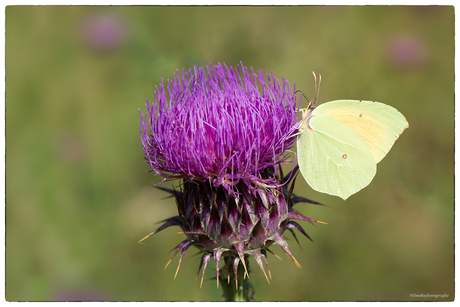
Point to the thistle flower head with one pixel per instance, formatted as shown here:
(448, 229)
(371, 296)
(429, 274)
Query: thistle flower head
(222, 127)
(225, 133)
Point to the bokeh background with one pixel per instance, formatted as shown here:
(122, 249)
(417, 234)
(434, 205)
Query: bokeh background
(78, 197)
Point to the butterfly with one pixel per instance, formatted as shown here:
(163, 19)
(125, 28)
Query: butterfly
(340, 142)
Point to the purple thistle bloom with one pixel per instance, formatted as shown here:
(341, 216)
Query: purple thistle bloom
(226, 137)
(219, 128)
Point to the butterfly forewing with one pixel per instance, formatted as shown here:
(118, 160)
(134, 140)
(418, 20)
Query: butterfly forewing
(378, 124)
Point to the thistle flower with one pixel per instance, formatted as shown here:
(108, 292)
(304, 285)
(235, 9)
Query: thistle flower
(225, 134)
(219, 128)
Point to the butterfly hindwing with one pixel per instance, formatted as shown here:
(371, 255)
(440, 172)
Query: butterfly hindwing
(333, 158)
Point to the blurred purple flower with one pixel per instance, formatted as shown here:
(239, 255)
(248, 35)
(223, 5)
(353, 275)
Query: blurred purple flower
(104, 32)
(79, 295)
(406, 51)
(69, 148)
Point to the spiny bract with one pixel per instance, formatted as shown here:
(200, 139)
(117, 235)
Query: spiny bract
(222, 225)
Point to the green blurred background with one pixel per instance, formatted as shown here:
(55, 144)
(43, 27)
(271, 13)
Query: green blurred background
(78, 197)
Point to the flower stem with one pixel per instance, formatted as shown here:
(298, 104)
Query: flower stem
(236, 290)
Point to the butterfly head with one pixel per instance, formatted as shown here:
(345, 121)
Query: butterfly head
(307, 113)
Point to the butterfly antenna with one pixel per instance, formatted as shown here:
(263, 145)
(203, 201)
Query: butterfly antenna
(316, 89)
(317, 85)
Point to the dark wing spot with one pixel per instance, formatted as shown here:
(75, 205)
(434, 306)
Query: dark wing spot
(361, 115)
(344, 156)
